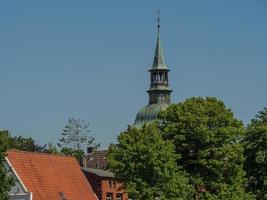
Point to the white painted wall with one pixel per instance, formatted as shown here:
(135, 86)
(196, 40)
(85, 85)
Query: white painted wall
(18, 191)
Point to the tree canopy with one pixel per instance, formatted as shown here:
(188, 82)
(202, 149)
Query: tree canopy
(25, 144)
(21, 143)
(255, 144)
(5, 181)
(146, 164)
(206, 135)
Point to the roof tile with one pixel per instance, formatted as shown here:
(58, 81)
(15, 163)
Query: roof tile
(48, 175)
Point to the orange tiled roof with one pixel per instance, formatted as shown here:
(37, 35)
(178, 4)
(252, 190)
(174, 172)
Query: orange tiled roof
(47, 175)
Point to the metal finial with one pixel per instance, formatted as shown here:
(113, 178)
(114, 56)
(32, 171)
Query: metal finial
(158, 19)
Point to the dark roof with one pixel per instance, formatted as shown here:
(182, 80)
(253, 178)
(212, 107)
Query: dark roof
(158, 62)
(99, 172)
(50, 176)
(97, 159)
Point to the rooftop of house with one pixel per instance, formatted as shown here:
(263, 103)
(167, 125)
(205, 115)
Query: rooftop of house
(50, 176)
(99, 172)
(97, 159)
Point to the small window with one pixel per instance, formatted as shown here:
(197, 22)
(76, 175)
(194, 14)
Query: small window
(110, 184)
(161, 96)
(114, 184)
(109, 196)
(118, 196)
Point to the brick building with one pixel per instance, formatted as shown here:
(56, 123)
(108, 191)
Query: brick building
(104, 184)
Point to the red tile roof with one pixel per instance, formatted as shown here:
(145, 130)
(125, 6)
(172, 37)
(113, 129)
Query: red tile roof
(49, 176)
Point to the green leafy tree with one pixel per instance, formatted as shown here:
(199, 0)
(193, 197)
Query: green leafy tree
(255, 144)
(75, 137)
(24, 144)
(52, 149)
(5, 181)
(145, 163)
(206, 135)
(21, 143)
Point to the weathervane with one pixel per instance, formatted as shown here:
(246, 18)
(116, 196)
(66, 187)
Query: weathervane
(158, 19)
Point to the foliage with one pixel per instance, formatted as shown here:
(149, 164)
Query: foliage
(24, 144)
(145, 163)
(5, 181)
(75, 137)
(255, 144)
(205, 134)
(21, 143)
(52, 149)
(76, 134)
(78, 154)
(8, 142)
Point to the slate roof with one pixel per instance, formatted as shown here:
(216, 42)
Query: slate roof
(99, 172)
(158, 61)
(51, 177)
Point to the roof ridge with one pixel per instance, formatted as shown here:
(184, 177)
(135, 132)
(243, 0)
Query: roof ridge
(38, 153)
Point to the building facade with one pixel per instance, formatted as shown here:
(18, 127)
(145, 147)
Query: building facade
(105, 186)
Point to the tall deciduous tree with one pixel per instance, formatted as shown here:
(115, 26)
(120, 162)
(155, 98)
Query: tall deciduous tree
(145, 163)
(206, 135)
(255, 144)
(76, 134)
(5, 181)
(75, 137)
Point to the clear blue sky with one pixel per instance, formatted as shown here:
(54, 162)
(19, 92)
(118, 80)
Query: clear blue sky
(89, 59)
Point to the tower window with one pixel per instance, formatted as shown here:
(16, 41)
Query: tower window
(161, 96)
(159, 78)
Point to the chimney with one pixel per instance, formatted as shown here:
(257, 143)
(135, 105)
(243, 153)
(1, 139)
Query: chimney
(90, 150)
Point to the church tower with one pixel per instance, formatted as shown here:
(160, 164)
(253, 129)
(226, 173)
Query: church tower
(159, 92)
(159, 87)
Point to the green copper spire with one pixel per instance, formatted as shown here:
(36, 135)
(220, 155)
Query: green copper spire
(159, 92)
(158, 62)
